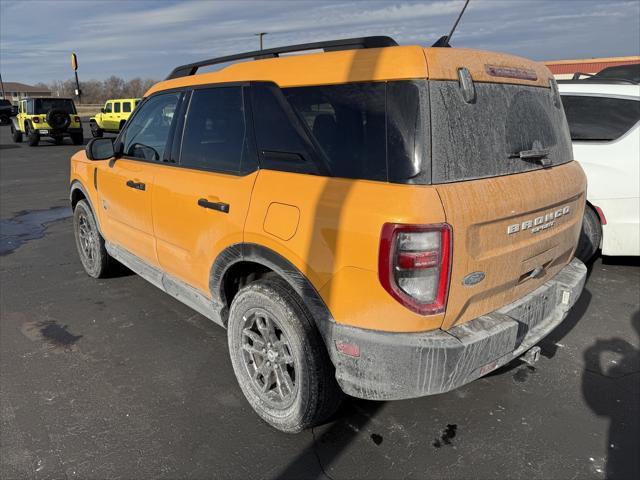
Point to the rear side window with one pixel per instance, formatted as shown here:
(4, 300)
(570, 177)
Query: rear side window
(215, 135)
(600, 118)
(116, 107)
(369, 130)
(126, 107)
(347, 122)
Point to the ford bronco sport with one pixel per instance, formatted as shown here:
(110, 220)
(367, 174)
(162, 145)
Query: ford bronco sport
(112, 116)
(381, 220)
(47, 116)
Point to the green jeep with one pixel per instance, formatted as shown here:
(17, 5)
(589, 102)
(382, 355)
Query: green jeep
(47, 117)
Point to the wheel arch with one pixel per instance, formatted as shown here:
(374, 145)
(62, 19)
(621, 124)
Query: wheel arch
(78, 192)
(244, 259)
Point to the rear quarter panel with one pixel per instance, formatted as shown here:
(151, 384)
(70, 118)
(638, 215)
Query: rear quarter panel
(336, 240)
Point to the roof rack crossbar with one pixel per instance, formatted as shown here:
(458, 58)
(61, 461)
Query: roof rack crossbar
(327, 46)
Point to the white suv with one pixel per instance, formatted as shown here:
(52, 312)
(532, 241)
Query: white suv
(604, 119)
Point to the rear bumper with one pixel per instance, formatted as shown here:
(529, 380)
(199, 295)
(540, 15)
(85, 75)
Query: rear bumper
(406, 365)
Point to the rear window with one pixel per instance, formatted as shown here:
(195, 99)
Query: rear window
(5, 103)
(600, 118)
(490, 135)
(44, 105)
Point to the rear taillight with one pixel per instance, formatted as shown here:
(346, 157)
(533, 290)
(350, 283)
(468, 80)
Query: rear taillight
(36, 120)
(76, 119)
(414, 265)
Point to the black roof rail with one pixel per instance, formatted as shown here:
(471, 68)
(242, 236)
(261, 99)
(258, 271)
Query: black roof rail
(327, 46)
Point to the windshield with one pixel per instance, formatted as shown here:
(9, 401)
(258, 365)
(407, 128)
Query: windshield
(44, 105)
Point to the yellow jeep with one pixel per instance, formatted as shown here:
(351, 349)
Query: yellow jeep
(112, 116)
(386, 221)
(46, 116)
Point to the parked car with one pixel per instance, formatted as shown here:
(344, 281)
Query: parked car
(604, 119)
(47, 117)
(617, 74)
(112, 116)
(7, 110)
(381, 220)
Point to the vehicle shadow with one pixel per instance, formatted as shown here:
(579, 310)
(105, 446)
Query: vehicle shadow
(8, 147)
(611, 389)
(349, 422)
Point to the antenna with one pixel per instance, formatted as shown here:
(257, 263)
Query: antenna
(444, 40)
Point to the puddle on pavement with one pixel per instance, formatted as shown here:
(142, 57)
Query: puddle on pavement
(28, 225)
(57, 336)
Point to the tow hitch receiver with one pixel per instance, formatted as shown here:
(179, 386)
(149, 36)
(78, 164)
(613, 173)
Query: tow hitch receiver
(531, 356)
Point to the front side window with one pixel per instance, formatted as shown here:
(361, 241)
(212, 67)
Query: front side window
(108, 108)
(116, 107)
(214, 135)
(600, 118)
(146, 134)
(126, 107)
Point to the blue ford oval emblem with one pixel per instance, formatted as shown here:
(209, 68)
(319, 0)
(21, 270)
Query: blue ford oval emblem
(473, 278)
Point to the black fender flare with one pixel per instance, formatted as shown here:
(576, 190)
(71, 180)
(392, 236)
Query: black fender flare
(77, 185)
(252, 252)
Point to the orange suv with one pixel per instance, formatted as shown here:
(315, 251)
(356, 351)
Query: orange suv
(380, 220)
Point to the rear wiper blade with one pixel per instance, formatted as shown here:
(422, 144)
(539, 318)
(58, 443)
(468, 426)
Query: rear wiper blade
(536, 153)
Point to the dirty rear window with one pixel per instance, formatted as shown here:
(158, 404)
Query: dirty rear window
(485, 138)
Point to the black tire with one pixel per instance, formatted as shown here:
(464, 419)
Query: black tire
(32, 136)
(16, 135)
(77, 138)
(590, 236)
(58, 119)
(90, 244)
(314, 394)
(96, 131)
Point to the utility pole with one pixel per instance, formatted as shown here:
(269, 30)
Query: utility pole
(2, 85)
(261, 34)
(74, 65)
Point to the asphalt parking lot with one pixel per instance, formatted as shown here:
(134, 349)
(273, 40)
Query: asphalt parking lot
(114, 379)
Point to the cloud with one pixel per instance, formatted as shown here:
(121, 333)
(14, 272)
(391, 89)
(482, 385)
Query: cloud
(149, 38)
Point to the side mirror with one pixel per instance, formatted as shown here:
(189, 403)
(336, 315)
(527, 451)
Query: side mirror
(102, 110)
(100, 149)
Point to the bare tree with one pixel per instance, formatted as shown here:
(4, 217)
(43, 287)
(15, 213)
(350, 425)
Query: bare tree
(99, 91)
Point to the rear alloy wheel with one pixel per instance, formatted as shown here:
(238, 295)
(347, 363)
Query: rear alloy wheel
(33, 136)
(90, 244)
(590, 236)
(16, 135)
(279, 358)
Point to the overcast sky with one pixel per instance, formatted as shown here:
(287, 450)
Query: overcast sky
(132, 38)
